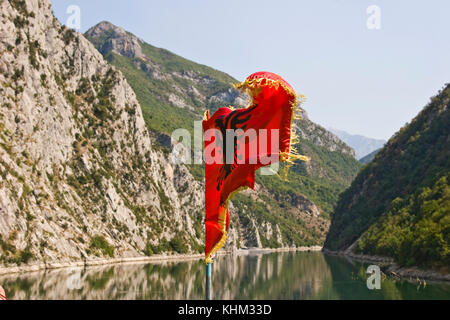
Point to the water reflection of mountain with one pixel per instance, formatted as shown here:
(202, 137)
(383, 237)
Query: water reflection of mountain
(288, 275)
(267, 276)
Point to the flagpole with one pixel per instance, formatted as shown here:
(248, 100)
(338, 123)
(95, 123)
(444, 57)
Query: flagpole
(208, 281)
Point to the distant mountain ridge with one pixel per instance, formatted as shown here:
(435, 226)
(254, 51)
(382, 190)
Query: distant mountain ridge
(363, 146)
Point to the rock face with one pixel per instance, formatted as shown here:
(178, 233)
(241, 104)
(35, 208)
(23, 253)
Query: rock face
(79, 177)
(118, 41)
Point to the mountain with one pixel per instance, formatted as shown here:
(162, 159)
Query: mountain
(363, 146)
(175, 92)
(79, 176)
(84, 166)
(369, 157)
(399, 204)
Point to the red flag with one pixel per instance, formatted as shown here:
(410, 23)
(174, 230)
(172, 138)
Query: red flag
(262, 136)
(2, 294)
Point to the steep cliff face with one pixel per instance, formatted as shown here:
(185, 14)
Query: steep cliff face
(79, 177)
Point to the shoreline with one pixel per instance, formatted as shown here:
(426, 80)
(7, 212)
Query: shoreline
(141, 259)
(391, 269)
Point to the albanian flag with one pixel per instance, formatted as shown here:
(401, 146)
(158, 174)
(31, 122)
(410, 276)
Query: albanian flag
(238, 142)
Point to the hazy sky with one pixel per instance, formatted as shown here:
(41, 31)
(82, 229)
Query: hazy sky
(363, 81)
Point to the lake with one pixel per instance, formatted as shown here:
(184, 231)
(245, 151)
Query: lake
(280, 275)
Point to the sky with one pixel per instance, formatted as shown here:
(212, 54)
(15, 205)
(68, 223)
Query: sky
(368, 81)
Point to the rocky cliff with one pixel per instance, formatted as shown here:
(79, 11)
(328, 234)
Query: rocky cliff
(79, 176)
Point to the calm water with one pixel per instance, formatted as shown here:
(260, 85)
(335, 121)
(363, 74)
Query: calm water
(292, 275)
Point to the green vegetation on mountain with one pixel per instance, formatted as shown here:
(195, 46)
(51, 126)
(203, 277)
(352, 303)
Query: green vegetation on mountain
(415, 230)
(399, 203)
(170, 62)
(158, 116)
